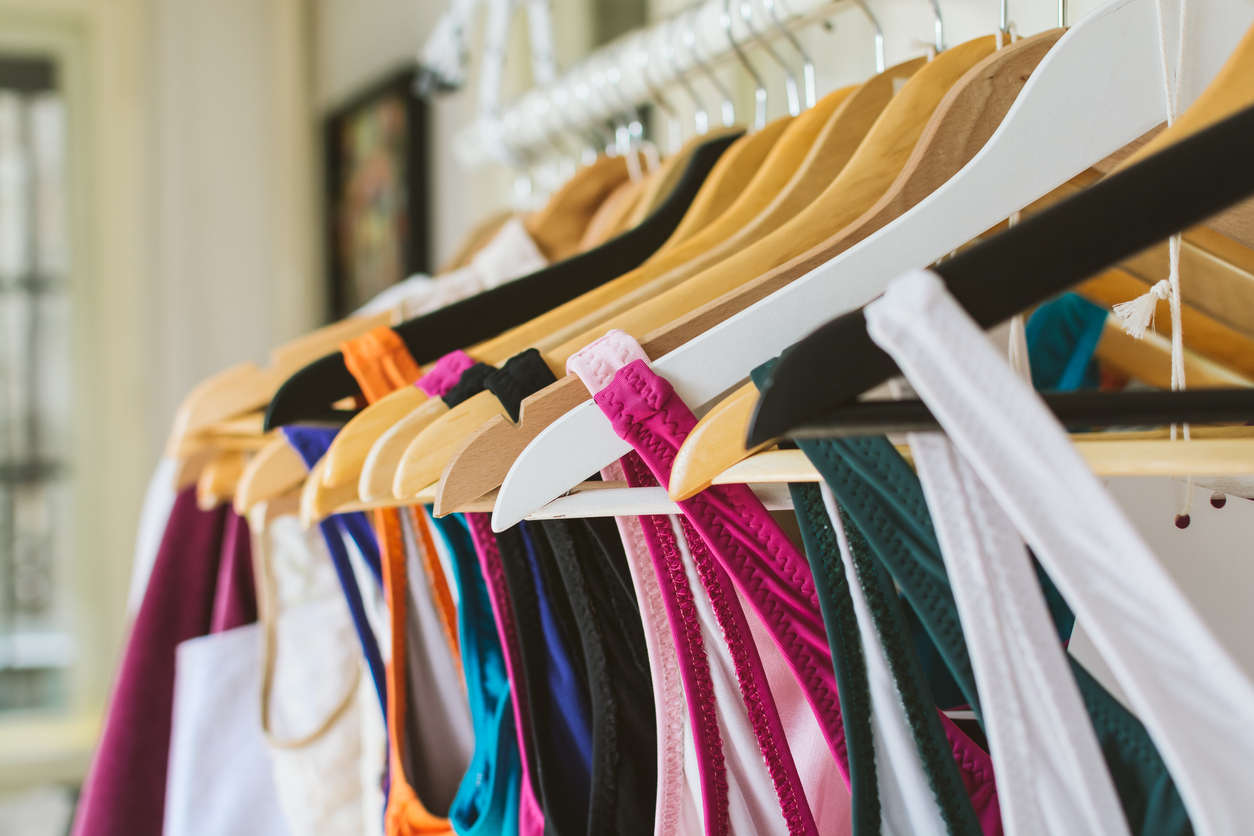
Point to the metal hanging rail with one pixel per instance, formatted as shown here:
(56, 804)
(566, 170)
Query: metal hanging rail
(640, 63)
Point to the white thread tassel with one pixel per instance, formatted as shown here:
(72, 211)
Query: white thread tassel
(1136, 316)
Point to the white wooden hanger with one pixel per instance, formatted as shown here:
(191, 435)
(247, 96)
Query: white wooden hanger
(1098, 89)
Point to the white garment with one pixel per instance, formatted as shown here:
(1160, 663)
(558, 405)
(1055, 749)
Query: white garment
(153, 516)
(219, 777)
(907, 804)
(510, 255)
(441, 732)
(318, 672)
(1197, 705)
(1050, 771)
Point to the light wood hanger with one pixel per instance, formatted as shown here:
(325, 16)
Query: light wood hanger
(731, 174)
(275, 470)
(216, 485)
(248, 387)
(1060, 125)
(1231, 455)
(558, 227)
(612, 215)
(960, 109)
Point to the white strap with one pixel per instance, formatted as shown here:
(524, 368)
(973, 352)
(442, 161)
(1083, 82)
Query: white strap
(1197, 705)
(1051, 778)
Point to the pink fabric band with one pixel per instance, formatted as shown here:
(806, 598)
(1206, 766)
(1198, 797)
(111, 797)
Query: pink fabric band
(445, 373)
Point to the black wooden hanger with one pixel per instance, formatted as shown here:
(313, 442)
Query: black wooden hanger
(312, 389)
(1177, 188)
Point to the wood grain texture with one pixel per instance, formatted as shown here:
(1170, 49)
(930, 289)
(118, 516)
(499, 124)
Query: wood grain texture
(487, 453)
(378, 472)
(728, 178)
(716, 443)
(1148, 360)
(272, 472)
(352, 444)
(426, 456)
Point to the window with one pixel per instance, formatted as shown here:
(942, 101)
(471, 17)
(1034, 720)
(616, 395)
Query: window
(36, 643)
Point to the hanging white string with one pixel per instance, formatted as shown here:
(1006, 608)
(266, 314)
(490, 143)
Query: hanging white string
(1018, 348)
(1172, 89)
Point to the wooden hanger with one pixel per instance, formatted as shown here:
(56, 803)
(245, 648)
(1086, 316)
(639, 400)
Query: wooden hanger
(558, 227)
(217, 481)
(611, 216)
(958, 119)
(1060, 125)
(733, 172)
(1219, 451)
(247, 387)
(274, 471)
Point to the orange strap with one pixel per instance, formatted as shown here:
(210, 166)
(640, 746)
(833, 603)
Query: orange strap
(406, 815)
(380, 362)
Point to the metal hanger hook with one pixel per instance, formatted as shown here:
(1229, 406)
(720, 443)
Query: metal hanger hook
(690, 42)
(879, 35)
(790, 78)
(807, 65)
(938, 25)
(701, 118)
(674, 130)
(759, 93)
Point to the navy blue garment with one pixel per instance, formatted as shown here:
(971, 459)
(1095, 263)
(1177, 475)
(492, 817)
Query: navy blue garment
(1062, 335)
(312, 443)
(487, 800)
(558, 701)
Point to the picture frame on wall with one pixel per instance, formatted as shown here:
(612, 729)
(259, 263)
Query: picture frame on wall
(377, 192)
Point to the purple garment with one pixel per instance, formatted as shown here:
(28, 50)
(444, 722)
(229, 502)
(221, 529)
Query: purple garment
(124, 794)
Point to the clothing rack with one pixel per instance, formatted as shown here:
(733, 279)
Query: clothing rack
(629, 72)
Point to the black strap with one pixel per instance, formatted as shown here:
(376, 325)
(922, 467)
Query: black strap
(520, 376)
(468, 385)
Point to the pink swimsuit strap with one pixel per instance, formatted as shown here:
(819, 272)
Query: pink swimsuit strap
(530, 813)
(445, 373)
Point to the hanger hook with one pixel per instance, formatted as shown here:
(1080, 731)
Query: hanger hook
(938, 25)
(600, 82)
(690, 42)
(588, 154)
(674, 130)
(879, 35)
(807, 65)
(790, 78)
(614, 75)
(558, 141)
(759, 93)
(1062, 13)
(584, 93)
(701, 118)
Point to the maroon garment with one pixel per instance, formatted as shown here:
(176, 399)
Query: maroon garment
(235, 601)
(124, 794)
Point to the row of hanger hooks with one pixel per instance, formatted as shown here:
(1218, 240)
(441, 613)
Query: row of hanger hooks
(596, 106)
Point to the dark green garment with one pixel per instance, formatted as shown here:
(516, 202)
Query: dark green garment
(882, 495)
